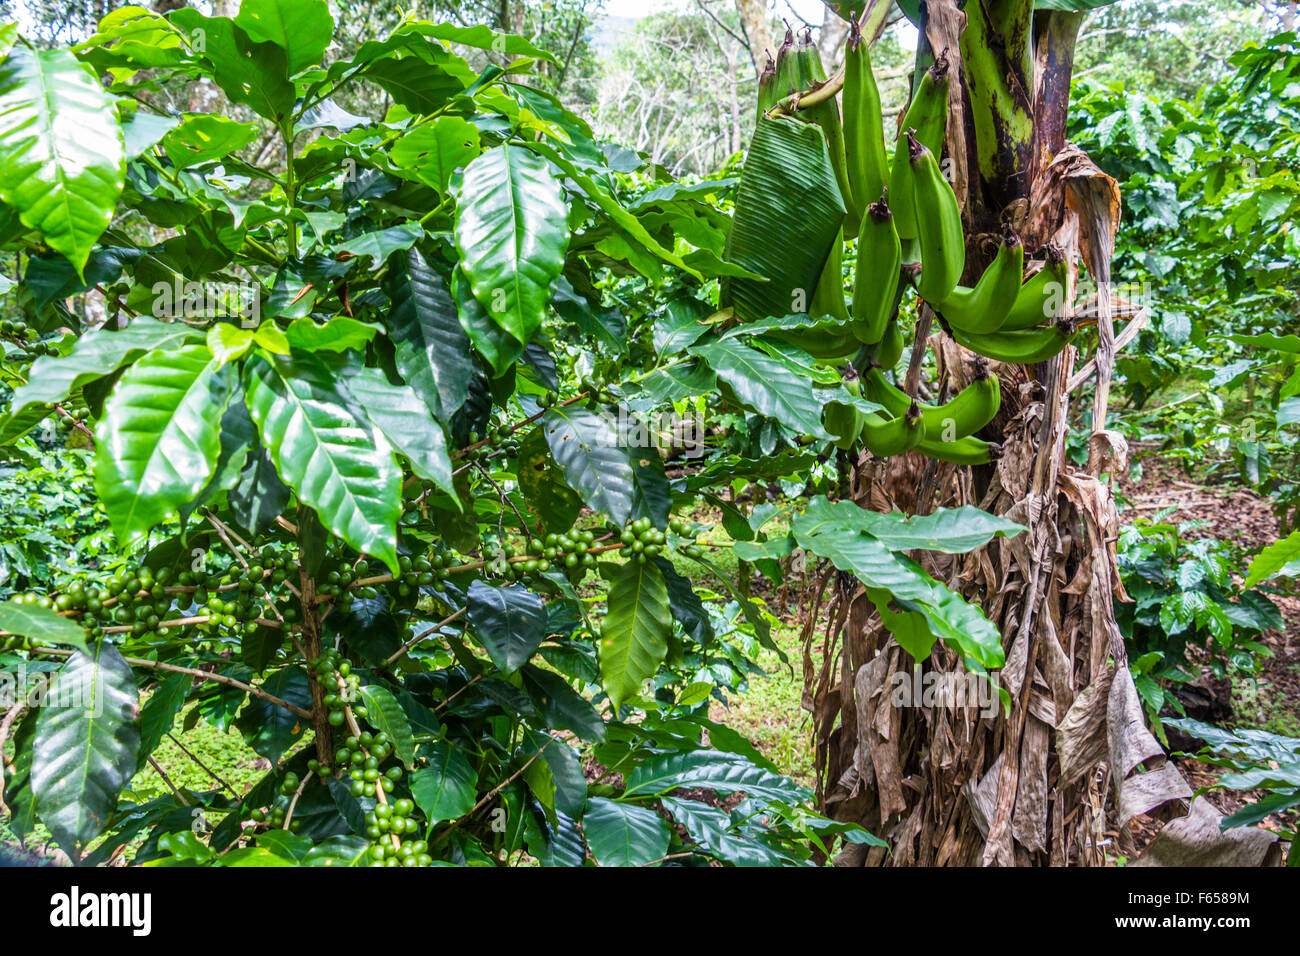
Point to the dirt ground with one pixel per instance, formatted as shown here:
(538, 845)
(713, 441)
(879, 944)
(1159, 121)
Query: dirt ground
(1241, 517)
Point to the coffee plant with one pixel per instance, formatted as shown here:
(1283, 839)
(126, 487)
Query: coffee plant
(406, 444)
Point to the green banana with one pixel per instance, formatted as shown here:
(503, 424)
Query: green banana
(927, 117)
(828, 297)
(938, 225)
(864, 133)
(875, 282)
(964, 451)
(799, 69)
(768, 93)
(829, 343)
(1040, 299)
(892, 436)
(1018, 347)
(889, 349)
(787, 72)
(966, 413)
(985, 308)
(844, 422)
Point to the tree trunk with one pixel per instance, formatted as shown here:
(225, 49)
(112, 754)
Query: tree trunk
(830, 42)
(946, 780)
(758, 30)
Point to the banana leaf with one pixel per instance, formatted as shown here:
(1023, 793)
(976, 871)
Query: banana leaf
(788, 213)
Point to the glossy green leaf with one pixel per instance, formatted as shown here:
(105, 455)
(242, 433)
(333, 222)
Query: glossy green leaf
(259, 494)
(159, 439)
(562, 706)
(542, 485)
(499, 347)
(406, 421)
(382, 243)
(1280, 557)
(386, 714)
(142, 131)
(859, 554)
(624, 834)
(341, 850)
(634, 635)
(324, 450)
(710, 828)
(587, 451)
(302, 28)
(203, 137)
(444, 789)
(228, 342)
(159, 712)
(268, 728)
(555, 776)
(62, 157)
(40, 624)
(250, 73)
(421, 83)
(481, 37)
(764, 384)
(54, 377)
(337, 335)
(436, 150)
(636, 232)
(432, 349)
(512, 232)
(947, 530)
(509, 622)
(712, 770)
(86, 744)
(943, 615)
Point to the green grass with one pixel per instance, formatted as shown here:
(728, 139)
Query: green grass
(770, 715)
(225, 754)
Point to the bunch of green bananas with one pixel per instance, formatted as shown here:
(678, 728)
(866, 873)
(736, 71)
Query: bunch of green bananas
(907, 223)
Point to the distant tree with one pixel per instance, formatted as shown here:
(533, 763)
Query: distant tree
(1171, 48)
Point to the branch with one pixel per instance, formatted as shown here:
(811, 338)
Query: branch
(193, 672)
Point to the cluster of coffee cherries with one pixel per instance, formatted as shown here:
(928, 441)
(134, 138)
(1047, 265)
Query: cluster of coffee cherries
(76, 412)
(396, 819)
(234, 598)
(279, 810)
(682, 528)
(497, 440)
(18, 331)
(364, 757)
(642, 539)
(422, 571)
(137, 598)
(334, 673)
(572, 549)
